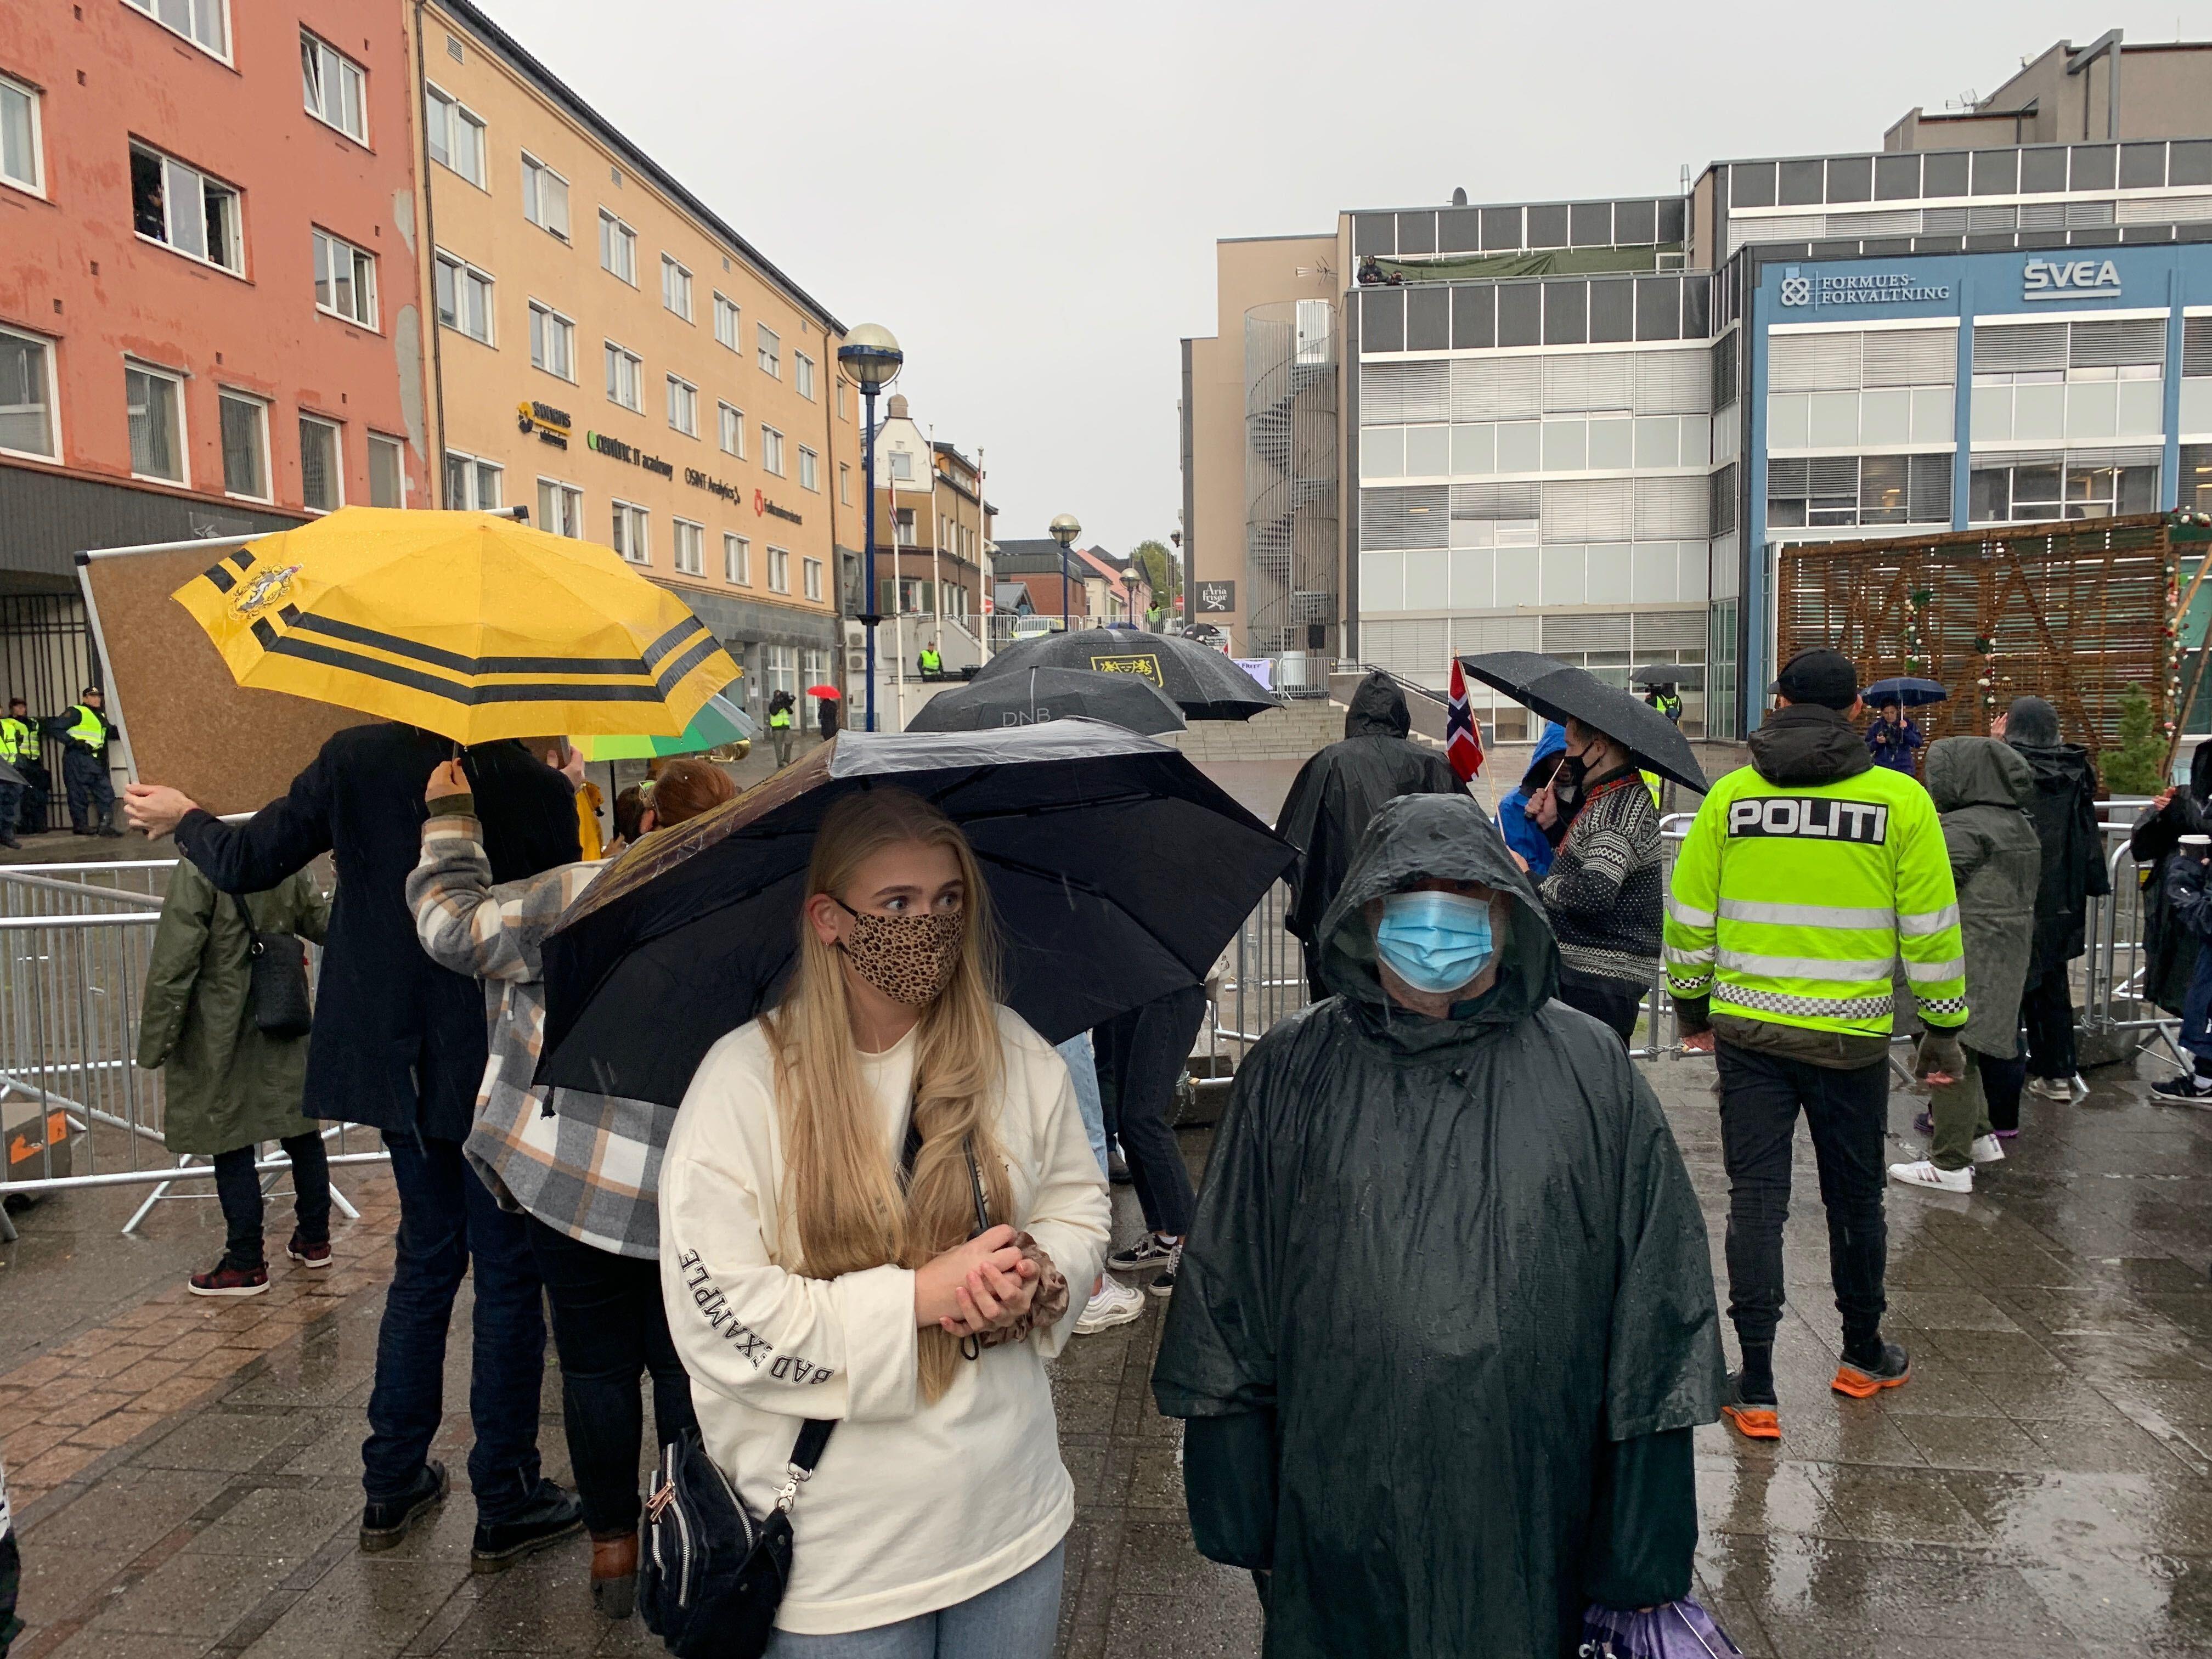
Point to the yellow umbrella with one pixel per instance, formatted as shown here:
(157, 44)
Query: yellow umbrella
(467, 625)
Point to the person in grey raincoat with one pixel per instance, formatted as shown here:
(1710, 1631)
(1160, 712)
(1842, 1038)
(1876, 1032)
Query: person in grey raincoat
(1338, 789)
(1447, 1317)
(2064, 811)
(1984, 790)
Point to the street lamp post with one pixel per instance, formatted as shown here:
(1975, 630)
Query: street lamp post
(1065, 528)
(871, 356)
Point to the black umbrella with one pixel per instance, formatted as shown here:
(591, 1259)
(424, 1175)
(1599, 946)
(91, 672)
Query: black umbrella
(1027, 696)
(1117, 870)
(1201, 681)
(1560, 692)
(1912, 691)
(1669, 673)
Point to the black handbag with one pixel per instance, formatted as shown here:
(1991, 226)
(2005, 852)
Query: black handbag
(276, 994)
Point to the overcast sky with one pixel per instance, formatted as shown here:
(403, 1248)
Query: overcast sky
(1030, 194)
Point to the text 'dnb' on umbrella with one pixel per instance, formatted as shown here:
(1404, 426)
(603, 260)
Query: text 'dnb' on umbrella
(468, 624)
(1028, 696)
(1560, 692)
(1199, 680)
(1118, 872)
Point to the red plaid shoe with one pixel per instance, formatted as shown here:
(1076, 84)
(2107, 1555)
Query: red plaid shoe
(226, 1280)
(307, 1255)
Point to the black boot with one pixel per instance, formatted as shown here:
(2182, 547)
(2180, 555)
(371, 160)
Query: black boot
(385, 1521)
(550, 1515)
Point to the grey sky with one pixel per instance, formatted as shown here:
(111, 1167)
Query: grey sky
(1030, 194)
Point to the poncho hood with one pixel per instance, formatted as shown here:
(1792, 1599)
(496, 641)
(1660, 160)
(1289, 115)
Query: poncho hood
(1378, 709)
(2031, 721)
(1977, 772)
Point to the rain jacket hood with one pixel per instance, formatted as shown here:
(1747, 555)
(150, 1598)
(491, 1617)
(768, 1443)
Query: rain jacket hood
(1806, 742)
(1983, 789)
(1378, 709)
(1977, 772)
(2030, 722)
(2063, 804)
(1553, 742)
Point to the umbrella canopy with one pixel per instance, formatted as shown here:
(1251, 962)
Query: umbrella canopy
(1031, 696)
(1905, 689)
(1560, 692)
(1668, 673)
(1202, 682)
(467, 625)
(1118, 872)
(720, 721)
(829, 691)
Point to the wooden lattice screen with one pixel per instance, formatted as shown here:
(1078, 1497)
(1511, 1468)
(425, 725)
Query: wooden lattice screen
(2074, 612)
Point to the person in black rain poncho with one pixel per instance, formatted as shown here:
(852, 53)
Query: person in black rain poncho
(1339, 790)
(1447, 1315)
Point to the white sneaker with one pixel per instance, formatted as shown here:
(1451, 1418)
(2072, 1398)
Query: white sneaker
(1116, 1304)
(1986, 1149)
(2052, 1088)
(1925, 1174)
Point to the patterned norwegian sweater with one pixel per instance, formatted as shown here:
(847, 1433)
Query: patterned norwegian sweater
(1606, 890)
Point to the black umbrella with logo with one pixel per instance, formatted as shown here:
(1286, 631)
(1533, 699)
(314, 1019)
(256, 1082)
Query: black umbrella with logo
(1031, 696)
(1559, 692)
(1117, 870)
(1199, 680)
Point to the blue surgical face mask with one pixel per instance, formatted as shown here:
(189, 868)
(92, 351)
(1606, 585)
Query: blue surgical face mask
(1435, 942)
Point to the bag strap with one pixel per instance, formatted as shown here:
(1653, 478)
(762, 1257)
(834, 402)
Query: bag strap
(253, 946)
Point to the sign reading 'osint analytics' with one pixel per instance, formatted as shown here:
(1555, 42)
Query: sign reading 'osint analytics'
(1886, 288)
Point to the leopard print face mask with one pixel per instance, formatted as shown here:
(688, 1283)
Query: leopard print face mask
(908, 958)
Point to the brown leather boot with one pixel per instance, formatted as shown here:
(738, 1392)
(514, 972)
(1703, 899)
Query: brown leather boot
(614, 1576)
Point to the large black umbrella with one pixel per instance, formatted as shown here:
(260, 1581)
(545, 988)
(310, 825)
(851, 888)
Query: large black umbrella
(1027, 696)
(1117, 870)
(1199, 680)
(1669, 673)
(1560, 692)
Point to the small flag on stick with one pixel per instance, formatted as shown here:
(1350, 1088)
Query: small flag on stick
(1462, 738)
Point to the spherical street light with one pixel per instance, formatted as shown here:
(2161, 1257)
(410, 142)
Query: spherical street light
(1065, 528)
(871, 356)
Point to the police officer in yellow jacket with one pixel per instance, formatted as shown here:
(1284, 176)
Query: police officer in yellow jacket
(84, 731)
(1805, 878)
(19, 748)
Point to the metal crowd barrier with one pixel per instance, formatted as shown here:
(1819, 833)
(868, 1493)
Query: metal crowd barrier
(76, 1110)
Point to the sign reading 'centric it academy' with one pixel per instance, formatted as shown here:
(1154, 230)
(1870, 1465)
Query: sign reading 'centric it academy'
(1888, 288)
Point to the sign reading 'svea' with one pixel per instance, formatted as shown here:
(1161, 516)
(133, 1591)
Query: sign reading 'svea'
(2069, 279)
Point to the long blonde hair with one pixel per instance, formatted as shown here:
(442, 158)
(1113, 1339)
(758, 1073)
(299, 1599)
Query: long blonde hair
(843, 1189)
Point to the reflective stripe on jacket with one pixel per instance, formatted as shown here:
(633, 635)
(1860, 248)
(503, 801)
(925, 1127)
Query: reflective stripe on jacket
(88, 727)
(1792, 902)
(16, 741)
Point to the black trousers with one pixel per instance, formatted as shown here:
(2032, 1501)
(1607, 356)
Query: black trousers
(91, 794)
(2001, 1085)
(1141, 1053)
(2046, 1007)
(610, 1329)
(1847, 1112)
(1615, 1001)
(237, 1189)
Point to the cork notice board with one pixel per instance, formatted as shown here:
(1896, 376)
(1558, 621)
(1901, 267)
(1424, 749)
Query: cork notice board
(186, 722)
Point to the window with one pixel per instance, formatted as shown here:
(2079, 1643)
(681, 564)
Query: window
(726, 321)
(629, 531)
(203, 22)
(245, 445)
(454, 134)
(738, 559)
(675, 288)
(322, 467)
(544, 197)
(560, 507)
(812, 569)
(684, 406)
(473, 483)
(334, 85)
(27, 398)
(802, 374)
(779, 670)
(770, 363)
(733, 431)
(2076, 486)
(184, 208)
(345, 280)
(156, 403)
(690, 547)
(552, 342)
(772, 450)
(20, 160)
(779, 570)
(902, 527)
(463, 297)
(901, 467)
(809, 469)
(618, 247)
(841, 401)
(625, 378)
(1848, 490)
(844, 484)
(387, 471)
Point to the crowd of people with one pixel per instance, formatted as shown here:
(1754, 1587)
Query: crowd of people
(84, 731)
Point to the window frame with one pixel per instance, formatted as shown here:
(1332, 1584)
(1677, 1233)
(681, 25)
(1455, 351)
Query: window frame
(681, 391)
(729, 424)
(802, 375)
(452, 109)
(534, 174)
(48, 352)
(779, 570)
(769, 348)
(771, 450)
(307, 36)
(37, 99)
(644, 527)
(571, 497)
(259, 404)
(317, 238)
(609, 223)
(337, 429)
(539, 310)
(476, 466)
(737, 559)
(176, 378)
(844, 484)
(677, 525)
(222, 8)
(673, 268)
(397, 448)
(637, 376)
(139, 147)
(810, 578)
(442, 258)
(809, 468)
(735, 339)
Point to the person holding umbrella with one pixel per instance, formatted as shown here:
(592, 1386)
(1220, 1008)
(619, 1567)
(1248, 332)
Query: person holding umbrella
(874, 1202)
(826, 699)
(1604, 892)
(1892, 739)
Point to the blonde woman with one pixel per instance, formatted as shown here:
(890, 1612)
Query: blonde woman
(807, 1276)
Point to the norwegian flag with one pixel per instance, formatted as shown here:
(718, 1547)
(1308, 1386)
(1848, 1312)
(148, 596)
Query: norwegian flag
(1463, 737)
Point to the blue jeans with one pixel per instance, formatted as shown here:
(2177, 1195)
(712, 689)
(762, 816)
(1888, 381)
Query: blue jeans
(2196, 1010)
(448, 1218)
(1017, 1620)
(1083, 1071)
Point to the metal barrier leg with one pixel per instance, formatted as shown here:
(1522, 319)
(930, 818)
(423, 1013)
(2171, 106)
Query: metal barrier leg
(159, 1192)
(7, 1226)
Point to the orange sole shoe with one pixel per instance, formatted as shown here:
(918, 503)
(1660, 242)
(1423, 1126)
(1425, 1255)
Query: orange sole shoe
(1850, 1380)
(1754, 1422)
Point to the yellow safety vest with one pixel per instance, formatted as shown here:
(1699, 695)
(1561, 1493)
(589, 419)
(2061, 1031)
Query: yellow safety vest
(89, 729)
(780, 720)
(16, 742)
(932, 663)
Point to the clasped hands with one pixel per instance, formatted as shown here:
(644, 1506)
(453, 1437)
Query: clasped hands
(982, 1285)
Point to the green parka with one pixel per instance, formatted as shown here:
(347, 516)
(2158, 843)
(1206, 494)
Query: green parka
(1984, 789)
(228, 1085)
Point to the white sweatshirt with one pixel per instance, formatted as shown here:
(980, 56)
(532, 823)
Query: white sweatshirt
(914, 1507)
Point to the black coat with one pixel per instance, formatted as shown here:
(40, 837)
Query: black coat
(398, 1041)
(2171, 948)
(1341, 788)
(2064, 808)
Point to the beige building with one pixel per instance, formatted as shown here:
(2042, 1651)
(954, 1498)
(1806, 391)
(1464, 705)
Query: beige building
(2068, 95)
(933, 528)
(609, 355)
